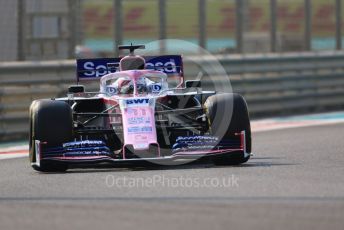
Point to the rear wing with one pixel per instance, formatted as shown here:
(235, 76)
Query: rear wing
(92, 69)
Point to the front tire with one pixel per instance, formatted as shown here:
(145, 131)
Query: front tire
(50, 121)
(218, 110)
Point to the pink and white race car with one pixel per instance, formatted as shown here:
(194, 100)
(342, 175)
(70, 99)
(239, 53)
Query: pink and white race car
(144, 112)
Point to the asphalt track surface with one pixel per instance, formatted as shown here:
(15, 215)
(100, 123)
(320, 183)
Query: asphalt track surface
(294, 181)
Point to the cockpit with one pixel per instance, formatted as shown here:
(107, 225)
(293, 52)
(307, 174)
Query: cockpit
(134, 83)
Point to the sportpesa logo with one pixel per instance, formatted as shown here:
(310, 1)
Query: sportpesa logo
(98, 68)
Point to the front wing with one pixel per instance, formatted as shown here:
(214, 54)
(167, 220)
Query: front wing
(100, 156)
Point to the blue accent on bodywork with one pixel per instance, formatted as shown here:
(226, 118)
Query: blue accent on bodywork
(78, 148)
(186, 143)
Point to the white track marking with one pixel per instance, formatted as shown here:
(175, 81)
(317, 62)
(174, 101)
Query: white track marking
(14, 152)
(269, 125)
(297, 121)
(14, 148)
(12, 156)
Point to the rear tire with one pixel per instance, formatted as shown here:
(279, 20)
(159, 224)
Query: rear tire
(50, 121)
(218, 110)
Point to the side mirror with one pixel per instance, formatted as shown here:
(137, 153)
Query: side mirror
(76, 89)
(193, 84)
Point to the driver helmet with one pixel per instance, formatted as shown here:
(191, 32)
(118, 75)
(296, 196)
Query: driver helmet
(141, 85)
(124, 86)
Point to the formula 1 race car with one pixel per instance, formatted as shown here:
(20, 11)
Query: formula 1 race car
(144, 112)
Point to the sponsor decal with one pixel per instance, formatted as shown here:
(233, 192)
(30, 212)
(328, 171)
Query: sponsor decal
(138, 101)
(140, 138)
(96, 68)
(138, 120)
(166, 67)
(111, 90)
(85, 143)
(93, 70)
(155, 88)
(137, 129)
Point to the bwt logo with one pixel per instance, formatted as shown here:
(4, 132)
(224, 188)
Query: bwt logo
(98, 70)
(137, 101)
